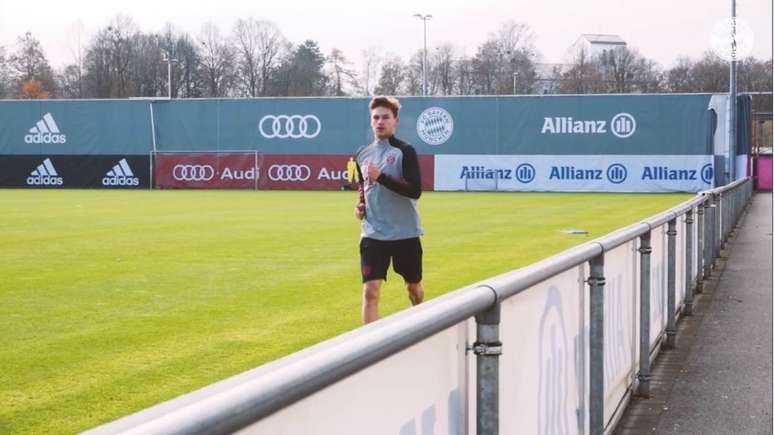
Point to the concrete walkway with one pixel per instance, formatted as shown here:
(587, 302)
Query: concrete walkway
(718, 380)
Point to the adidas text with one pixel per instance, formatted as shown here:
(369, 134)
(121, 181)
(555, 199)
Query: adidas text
(45, 138)
(44, 180)
(120, 181)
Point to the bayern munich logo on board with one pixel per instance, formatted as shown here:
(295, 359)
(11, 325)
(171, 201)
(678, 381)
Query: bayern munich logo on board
(435, 126)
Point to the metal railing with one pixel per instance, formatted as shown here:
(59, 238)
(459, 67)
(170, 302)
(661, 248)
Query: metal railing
(245, 400)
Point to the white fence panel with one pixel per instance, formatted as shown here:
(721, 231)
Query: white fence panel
(621, 295)
(543, 366)
(385, 398)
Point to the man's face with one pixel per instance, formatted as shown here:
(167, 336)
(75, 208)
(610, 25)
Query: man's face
(383, 122)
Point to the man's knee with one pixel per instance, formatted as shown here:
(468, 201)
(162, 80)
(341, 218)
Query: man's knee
(416, 292)
(371, 291)
(414, 286)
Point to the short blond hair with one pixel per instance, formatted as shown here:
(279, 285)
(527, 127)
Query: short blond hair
(391, 103)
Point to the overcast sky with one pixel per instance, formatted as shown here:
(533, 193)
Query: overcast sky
(661, 29)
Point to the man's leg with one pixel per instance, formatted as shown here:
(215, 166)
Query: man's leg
(371, 300)
(416, 293)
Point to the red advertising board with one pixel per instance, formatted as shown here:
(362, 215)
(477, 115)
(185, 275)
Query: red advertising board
(304, 171)
(278, 171)
(205, 171)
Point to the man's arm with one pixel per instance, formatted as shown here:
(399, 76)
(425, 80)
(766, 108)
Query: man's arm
(411, 183)
(360, 207)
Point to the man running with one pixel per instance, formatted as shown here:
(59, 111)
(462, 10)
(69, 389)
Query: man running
(390, 227)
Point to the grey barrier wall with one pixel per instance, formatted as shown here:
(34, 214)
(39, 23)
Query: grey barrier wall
(557, 347)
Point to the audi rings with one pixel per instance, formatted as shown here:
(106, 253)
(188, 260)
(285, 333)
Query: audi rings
(289, 172)
(193, 172)
(289, 126)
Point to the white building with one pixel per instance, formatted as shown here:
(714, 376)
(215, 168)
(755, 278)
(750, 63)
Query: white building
(597, 46)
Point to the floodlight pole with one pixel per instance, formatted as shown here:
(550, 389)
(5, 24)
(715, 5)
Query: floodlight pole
(424, 19)
(731, 167)
(168, 59)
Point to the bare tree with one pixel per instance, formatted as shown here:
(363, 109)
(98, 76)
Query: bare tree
(412, 81)
(678, 79)
(186, 77)
(148, 71)
(443, 63)
(463, 76)
(216, 61)
(484, 67)
(120, 36)
(618, 69)
(506, 53)
(710, 74)
(258, 44)
(391, 77)
(97, 67)
(29, 63)
(754, 75)
(340, 72)
(70, 82)
(5, 74)
(369, 72)
(582, 77)
(271, 45)
(71, 79)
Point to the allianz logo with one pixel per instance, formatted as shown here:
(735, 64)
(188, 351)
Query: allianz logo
(621, 125)
(45, 131)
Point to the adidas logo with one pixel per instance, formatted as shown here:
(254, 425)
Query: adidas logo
(120, 175)
(45, 131)
(45, 175)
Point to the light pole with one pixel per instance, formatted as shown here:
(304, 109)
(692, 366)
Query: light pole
(516, 74)
(167, 58)
(424, 19)
(731, 166)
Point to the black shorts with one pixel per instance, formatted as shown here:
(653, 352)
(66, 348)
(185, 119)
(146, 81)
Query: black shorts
(406, 258)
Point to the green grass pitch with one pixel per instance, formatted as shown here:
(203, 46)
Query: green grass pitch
(112, 301)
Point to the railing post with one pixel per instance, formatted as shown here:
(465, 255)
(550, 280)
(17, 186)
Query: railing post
(671, 329)
(709, 243)
(596, 283)
(700, 243)
(717, 230)
(488, 349)
(727, 215)
(644, 375)
(689, 262)
(721, 198)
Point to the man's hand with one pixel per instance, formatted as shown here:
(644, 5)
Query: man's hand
(360, 211)
(373, 173)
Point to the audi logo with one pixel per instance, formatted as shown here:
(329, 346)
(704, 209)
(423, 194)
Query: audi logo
(289, 172)
(193, 172)
(289, 126)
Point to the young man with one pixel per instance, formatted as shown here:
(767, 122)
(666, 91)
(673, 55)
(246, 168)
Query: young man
(390, 228)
